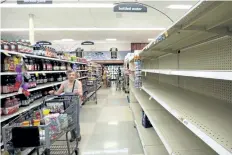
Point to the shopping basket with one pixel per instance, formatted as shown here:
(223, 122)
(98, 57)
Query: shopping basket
(43, 131)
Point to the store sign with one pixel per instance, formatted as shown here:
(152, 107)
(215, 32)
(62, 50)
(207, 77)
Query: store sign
(44, 43)
(34, 1)
(87, 43)
(130, 7)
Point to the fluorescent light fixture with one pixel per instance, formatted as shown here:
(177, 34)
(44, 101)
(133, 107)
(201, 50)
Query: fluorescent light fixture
(111, 39)
(179, 7)
(113, 123)
(150, 39)
(64, 5)
(83, 29)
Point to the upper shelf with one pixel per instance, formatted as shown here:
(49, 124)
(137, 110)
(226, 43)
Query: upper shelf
(209, 118)
(177, 139)
(206, 21)
(39, 57)
(211, 74)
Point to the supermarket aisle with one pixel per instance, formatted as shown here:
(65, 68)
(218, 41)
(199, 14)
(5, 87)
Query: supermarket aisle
(107, 128)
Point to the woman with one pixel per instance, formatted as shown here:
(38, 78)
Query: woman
(72, 85)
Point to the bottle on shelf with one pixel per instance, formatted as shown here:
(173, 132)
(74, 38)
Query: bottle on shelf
(14, 46)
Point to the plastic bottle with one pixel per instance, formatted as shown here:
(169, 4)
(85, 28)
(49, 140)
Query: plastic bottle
(5, 85)
(14, 46)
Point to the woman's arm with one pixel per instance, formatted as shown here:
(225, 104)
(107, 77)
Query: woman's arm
(80, 91)
(59, 91)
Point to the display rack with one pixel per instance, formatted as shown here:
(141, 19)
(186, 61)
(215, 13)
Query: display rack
(93, 81)
(187, 71)
(39, 88)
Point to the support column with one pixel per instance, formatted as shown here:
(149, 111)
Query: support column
(31, 29)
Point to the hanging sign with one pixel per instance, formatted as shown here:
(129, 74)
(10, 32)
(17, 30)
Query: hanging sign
(87, 43)
(113, 51)
(130, 7)
(44, 43)
(34, 1)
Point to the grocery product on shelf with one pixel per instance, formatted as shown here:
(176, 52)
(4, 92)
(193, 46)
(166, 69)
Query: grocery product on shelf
(138, 72)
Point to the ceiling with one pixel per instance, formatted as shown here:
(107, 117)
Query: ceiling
(90, 18)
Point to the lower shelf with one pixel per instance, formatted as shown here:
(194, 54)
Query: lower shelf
(151, 143)
(177, 139)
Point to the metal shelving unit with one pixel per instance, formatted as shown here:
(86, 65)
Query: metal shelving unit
(187, 70)
(176, 138)
(204, 22)
(197, 112)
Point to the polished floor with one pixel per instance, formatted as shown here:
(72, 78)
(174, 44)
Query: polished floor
(107, 127)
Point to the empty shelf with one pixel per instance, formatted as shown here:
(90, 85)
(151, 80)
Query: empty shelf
(211, 74)
(150, 140)
(155, 150)
(204, 22)
(177, 139)
(209, 118)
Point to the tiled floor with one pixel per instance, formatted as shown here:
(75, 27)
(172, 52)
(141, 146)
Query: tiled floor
(107, 128)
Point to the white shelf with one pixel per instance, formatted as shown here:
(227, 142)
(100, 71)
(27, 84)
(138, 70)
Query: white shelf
(36, 56)
(41, 86)
(177, 139)
(205, 21)
(212, 74)
(155, 150)
(82, 70)
(32, 72)
(208, 118)
(150, 141)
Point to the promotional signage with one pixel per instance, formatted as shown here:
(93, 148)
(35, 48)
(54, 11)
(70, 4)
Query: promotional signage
(130, 7)
(87, 43)
(34, 1)
(44, 43)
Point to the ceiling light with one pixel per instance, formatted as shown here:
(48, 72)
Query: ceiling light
(64, 5)
(111, 39)
(113, 123)
(150, 39)
(179, 6)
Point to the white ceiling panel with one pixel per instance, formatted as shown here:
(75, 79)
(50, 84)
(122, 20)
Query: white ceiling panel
(90, 18)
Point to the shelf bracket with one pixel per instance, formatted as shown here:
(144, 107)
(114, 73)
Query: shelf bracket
(150, 98)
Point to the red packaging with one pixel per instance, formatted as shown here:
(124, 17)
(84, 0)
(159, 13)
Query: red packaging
(10, 110)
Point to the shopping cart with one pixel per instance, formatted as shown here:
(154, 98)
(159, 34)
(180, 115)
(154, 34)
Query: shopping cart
(119, 82)
(44, 129)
